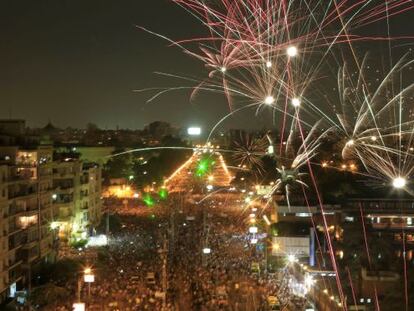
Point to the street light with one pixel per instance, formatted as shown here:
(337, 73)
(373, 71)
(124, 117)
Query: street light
(292, 258)
(89, 278)
(78, 306)
(275, 246)
(253, 230)
(206, 250)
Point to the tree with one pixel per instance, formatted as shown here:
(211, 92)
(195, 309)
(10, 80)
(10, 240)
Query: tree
(119, 166)
(48, 294)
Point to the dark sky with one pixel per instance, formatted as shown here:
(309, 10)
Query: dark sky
(75, 61)
(78, 61)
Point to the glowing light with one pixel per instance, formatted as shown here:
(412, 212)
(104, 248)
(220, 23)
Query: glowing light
(268, 64)
(54, 196)
(99, 240)
(373, 138)
(54, 225)
(292, 258)
(203, 167)
(267, 221)
(253, 230)
(350, 142)
(89, 278)
(269, 100)
(210, 178)
(254, 241)
(194, 131)
(209, 187)
(87, 271)
(399, 182)
(163, 194)
(148, 200)
(206, 250)
(78, 306)
(223, 69)
(309, 281)
(292, 51)
(296, 102)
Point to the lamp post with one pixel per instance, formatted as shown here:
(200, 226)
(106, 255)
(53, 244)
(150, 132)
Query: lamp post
(89, 278)
(78, 306)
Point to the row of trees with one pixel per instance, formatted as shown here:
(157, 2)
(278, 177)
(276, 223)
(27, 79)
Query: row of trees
(148, 165)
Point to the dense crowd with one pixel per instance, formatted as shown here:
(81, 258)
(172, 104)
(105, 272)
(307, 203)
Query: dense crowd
(130, 270)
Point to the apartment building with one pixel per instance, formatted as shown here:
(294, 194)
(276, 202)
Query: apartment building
(26, 209)
(76, 198)
(4, 258)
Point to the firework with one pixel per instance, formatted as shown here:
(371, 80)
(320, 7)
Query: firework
(248, 152)
(375, 122)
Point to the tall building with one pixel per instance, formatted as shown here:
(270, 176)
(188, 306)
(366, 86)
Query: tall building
(26, 204)
(4, 257)
(76, 198)
(41, 198)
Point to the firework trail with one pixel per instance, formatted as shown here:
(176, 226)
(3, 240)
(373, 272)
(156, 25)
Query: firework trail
(270, 54)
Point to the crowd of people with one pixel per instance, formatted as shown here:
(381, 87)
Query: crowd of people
(195, 259)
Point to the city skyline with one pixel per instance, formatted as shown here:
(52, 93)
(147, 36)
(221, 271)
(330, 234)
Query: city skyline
(87, 67)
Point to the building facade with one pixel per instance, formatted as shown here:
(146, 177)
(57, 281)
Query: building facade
(37, 195)
(26, 204)
(76, 198)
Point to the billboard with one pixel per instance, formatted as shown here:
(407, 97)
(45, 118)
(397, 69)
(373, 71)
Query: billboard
(194, 131)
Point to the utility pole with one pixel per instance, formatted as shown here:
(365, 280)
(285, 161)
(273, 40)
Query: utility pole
(164, 274)
(107, 222)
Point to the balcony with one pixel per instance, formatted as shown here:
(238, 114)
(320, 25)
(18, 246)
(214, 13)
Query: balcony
(15, 274)
(13, 229)
(22, 193)
(63, 175)
(65, 189)
(14, 263)
(14, 246)
(15, 210)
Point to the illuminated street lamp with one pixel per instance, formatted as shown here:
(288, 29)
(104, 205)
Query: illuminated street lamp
(78, 306)
(253, 230)
(89, 278)
(275, 246)
(206, 250)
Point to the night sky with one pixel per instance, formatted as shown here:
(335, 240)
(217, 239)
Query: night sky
(79, 61)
